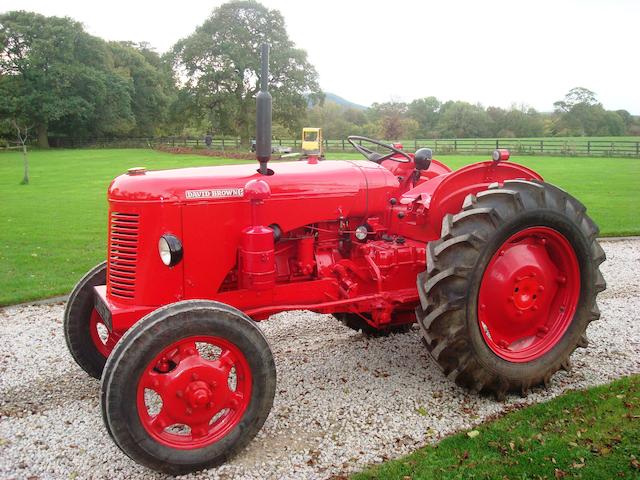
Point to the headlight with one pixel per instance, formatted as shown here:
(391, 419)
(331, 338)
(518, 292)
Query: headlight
(170, 250)
(361, 232)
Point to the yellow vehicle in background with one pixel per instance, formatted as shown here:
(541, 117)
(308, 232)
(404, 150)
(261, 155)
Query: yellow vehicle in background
(312, 142)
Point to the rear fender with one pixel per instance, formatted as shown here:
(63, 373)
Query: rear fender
(450, 193)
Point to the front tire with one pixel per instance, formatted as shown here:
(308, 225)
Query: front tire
(510, 287)
(188, 386)
(88, 338)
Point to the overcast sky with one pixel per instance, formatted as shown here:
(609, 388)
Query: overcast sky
(492, 52)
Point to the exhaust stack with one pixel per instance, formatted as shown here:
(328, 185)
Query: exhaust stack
(263, 114)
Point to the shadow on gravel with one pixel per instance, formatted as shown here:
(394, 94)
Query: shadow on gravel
(48, 393)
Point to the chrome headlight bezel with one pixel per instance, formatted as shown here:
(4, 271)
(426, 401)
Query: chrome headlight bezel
(170, 250)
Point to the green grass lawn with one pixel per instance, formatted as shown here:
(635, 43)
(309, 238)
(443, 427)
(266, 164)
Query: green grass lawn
(53, 230)
(592, 434)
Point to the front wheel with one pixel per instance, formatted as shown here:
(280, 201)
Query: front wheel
(188, 386)
(88, 338)
(510, 287)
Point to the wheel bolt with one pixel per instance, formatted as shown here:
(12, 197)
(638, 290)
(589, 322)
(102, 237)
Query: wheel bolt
(501, 253)
(519, 313)
(213, 384)
(194, 376)
(210, 405)
(483, 307)
(543, 241)
(543, 330)
(503, 344)
(562, 309)
(188, 411)
(510, 299)
(535, 307)
(541, 288)
(156, 383)
(562, 279)
(190, 351)
(234, 403)
(179, 394)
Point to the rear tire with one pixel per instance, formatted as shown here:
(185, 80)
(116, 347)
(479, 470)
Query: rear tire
(81, 323)
(161, 355)
(490, 223)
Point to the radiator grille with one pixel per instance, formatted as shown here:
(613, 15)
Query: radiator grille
(123, 254)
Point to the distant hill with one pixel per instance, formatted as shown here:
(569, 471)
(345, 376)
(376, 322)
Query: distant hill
(332, 97)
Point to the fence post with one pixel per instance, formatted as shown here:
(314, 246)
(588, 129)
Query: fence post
(222, 143)
(435, 148)
(173, 141)
(343, 144)
(415, 144)
(455, 145)
(589, 147)
(541, 146)
(497, 143)
(638, 149)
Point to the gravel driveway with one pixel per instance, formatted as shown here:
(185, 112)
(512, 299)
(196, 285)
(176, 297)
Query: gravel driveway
(343, 400)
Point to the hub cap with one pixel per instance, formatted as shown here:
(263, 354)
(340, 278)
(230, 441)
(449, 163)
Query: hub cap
(195, 392)
(529, 294)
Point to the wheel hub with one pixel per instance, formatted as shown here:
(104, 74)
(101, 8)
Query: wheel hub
(526, 293)
(529, 293)
(198, 394)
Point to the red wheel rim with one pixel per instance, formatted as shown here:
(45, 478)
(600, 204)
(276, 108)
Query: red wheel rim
(103, 339)
(204, 384)
(529, 294)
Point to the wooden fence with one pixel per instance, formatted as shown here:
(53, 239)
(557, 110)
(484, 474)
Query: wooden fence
(578, 146)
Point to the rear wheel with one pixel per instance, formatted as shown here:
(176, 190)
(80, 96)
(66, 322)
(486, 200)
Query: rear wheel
(188, 386)
(510, 287)
(87, 337)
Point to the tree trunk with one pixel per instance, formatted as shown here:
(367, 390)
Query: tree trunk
(25, 179)
(43, 135)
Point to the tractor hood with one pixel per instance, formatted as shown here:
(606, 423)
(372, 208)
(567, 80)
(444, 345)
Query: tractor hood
(226, 182)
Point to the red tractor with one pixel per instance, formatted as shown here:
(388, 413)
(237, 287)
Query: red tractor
(499, 269)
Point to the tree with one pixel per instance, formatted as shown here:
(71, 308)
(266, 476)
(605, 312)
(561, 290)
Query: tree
(576, 96)
(392, 120)
(580, 113)
(461, 119)
(22, 132)
(55, 74)
(331, 117)
(425, 111)
(153, 85)
(220, 62)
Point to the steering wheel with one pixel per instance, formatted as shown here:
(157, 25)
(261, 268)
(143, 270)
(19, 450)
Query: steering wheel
(373, 155)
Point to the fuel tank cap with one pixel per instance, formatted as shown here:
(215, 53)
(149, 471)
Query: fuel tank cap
(137, 171)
